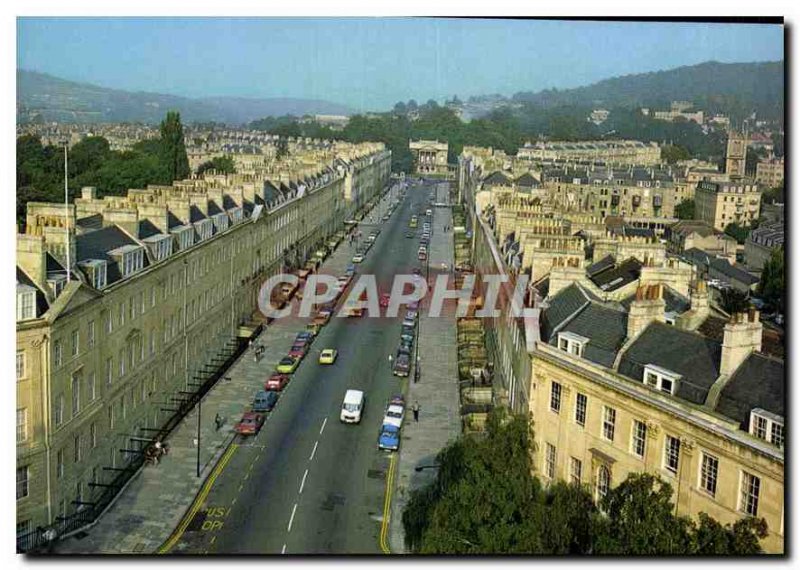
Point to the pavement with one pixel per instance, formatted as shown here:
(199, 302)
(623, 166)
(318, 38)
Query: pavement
(437, 390)
(153, 504)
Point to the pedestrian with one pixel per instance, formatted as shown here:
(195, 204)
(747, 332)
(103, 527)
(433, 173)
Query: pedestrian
(218, 421)
(390, 359)
(415, 410)
(50, 537)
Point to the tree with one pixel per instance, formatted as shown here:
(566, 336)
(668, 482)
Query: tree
(733, 300)
(772, 286)
(638, 519)
(740, 539)
(220, 164)
(173, 149)
(673, 153)
(400, 108)
(738, 232)
(282, 148)
(685, 210)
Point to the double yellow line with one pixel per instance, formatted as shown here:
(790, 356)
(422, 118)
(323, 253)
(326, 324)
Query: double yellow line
(387, 506)
(198, 501)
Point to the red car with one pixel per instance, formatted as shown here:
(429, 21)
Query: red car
(384, 302)
(277, 382)
(250, 423)
(298, 350)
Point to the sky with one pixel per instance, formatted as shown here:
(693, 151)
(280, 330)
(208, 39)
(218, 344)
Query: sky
(371, 63)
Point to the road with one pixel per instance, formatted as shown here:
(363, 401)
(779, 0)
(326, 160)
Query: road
(308, 483)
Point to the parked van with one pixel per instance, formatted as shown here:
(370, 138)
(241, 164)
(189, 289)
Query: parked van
(352, 406)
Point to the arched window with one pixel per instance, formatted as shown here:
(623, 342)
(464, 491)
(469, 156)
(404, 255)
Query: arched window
(603, 482)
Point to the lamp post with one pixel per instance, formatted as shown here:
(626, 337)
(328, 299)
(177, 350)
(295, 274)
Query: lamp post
(199, 414)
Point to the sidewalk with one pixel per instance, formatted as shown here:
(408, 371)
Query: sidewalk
(154, 501)
(436, 392)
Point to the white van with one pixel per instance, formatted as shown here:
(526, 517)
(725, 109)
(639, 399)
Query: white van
(352, 407)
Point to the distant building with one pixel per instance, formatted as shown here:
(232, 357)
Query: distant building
(736, 154)
(761, 243)
(721, 203)
(430, 157)
(620, 152)
(679, 109)
(688, 234)
(598, 116)
(770, 172)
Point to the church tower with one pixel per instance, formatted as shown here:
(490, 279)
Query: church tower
(735, 154)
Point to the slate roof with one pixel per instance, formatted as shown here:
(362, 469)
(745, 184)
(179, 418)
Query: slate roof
(687, 227)
(561, 306)
(147, 229)
(172, 220)
(606, 263)
(760, 382)
(496, 178)
(213, 208)
(691, 355)
(605, 328)
(733, 272)
(195, 214)
(90, 223)
(527, 180)
(96, 245)
(52, 265)
(697, 256)
(228, 203)
(619, 276)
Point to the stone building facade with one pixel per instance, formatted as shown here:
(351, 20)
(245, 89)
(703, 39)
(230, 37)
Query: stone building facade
(721, 203)
(163, 282)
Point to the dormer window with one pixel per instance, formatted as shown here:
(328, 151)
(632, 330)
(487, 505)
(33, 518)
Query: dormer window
(96, 269)
(26, 302)
(572, 343)
(661, 379)
(767, 426)
(220, 222)
(184, 235)
(160, 246)
(205, 229)
(132, 261)
(56, 283)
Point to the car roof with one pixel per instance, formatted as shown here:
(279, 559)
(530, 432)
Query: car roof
(353, 396)
(395, 408)
(390, 427)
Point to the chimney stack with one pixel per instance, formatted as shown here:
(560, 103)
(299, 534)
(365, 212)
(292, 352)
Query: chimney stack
(742, 336)
(646, 308)
(699, 299)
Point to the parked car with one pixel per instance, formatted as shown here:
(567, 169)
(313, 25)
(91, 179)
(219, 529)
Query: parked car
(276, 382)
(351, 270)
(328, 356)
(250, 424)
(408, 322)
(422, 255)
(394, 415)
(410, 234)
(404, 348)
(264, 401)
(389, 438)
(407, 333)
(308, 336)
(406, 345)
(358, 258)
(402, 364)
(287, 365)
(298, 349)
(384, 300)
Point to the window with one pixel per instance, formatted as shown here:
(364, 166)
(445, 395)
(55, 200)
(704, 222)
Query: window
(111, 417)
(78, 445)
(90, 334)
(153, 296)
(22, 482)
(603, 482)
(75, 385)
(672, 451)
(660, 379)
(122, 313)
(93, 435)
(767, 426)
(572, 343)
(153, 341)
(91, 386)
(26, 303)
(20, 364)
(57, 352)
(133, 308)
(748, 497)
(23, 527)
(550, 460)
(22, 425)
(580, 409)
(58, 410)
(141, 303)
(109, 323)
(609, 422)
(709, 467)
(575, 469)
(122, 363)
(109, 370)
(638, 438)
(555, 397)
(60, 463)
(74, 343)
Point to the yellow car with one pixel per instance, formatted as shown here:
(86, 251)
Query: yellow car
(328, 356)
(287, 365)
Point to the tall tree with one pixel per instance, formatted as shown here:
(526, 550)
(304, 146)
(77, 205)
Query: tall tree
(173, 149)
(685, 210)
(772, 286)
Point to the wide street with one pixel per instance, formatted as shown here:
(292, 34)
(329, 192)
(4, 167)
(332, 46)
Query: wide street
(308, 483)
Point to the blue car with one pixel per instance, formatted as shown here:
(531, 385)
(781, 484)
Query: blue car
(389, 439)
(264, 401)
(351, 270)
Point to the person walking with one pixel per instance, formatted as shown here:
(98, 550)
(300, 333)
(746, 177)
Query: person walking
(218, 421)
(390, 359)
(415, 410)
